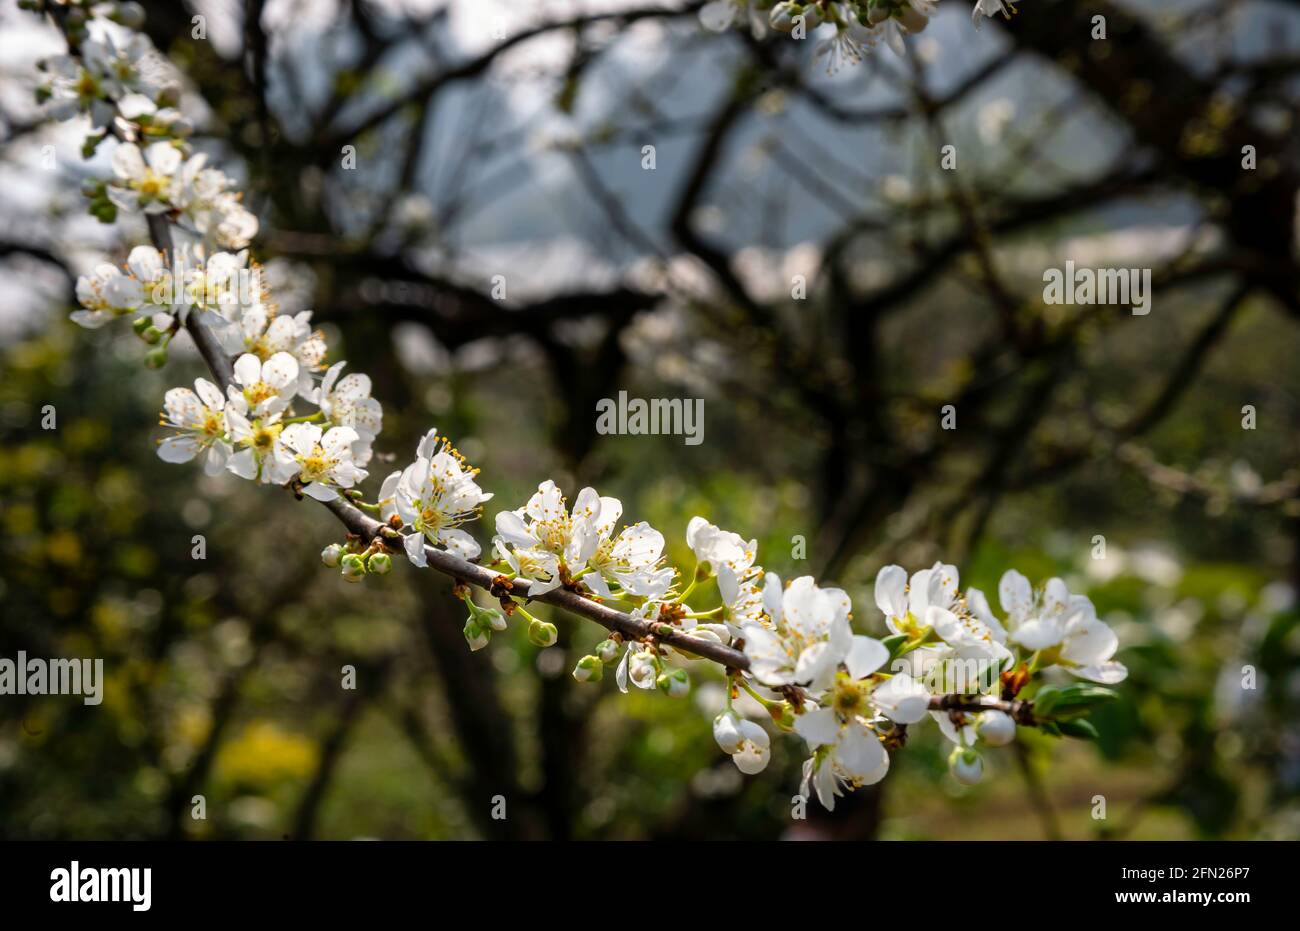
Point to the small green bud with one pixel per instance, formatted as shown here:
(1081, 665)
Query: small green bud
(151, 334)
(607, 651)
(380, 564)
(354, 567)
(542, 633)
(332, 555)
(492, 618)
(156, 358)
(589, 669)
(139, 325)
(674, 684)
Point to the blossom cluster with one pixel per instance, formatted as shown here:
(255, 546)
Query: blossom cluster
(285, 418)
(854, 27)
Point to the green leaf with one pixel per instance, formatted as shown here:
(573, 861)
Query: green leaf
(1080, 728)
(1070, 702)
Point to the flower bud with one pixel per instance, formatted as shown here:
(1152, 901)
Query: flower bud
(674, 684)
(156, 358)
(492, 619)
(542, 633)
(997, 728)
(755, 749)
(332, 555)
(589, 669)
(130, 15)
(139, 325)
(726, 731)
(641, 670)
(608, 651)
(966, 766)
(380, 564)
(782, 16)
(476, 635)
(353, 567)
(151, 334)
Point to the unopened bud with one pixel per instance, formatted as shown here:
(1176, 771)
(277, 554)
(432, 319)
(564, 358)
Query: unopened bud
(151, 334)
(608, 651)
(380, 564)
(782, 16)
(156, 358)
(726, 731)
(130, 15)
(492, 618)
(966, 766)
(589, 669)
(353, 567)
(674, 684)
(542, 633)
(332, 555)
(476, 635)
(997, 728)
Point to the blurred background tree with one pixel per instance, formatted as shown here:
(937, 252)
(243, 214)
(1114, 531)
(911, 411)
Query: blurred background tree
(797, 257)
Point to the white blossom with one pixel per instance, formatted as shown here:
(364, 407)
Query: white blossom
(321, 460)
(808, 638)
(104, 295)
(148, 180)
(209, 202)
(199, 416)
(434, 496)
(266, 332)
(1062, 628)
(716, 548)
(546, 539)
(632, 560)
(262, 388)
(255, 442)
(347, 402)
(102, 74)
(855, 758)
